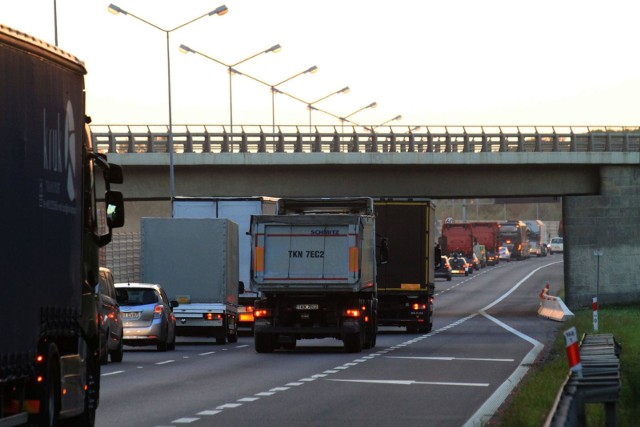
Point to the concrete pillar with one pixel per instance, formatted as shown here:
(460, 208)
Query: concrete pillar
(610, 222)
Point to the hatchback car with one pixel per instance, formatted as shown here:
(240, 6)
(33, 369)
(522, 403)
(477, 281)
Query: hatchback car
(556, 245)
(443, 269)
(147, 315)
(505, 254)
(109, 318)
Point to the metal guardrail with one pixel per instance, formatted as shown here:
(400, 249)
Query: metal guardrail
(600, 383)
(124, 139)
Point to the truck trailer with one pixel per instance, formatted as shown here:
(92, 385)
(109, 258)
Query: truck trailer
(49, 339)
(457, 239)
(314, 264)
(487, 234)
(195, 260)
(406, 280)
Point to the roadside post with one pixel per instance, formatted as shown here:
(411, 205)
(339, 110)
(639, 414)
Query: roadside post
(597, 253)
(594, 306)
(573, 352)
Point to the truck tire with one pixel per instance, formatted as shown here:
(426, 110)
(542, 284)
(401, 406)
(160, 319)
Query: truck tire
(50, 391)
(353, 342)
(263, 343)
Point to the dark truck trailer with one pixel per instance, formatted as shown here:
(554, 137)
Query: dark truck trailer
(406, 280)
(314, 264)
(49, 341)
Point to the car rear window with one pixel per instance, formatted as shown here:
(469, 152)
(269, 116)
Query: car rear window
(136, 296)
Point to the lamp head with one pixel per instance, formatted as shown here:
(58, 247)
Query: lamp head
(372, 105)
(220, 10)
(275, 49)
(186, 49)
(312, 70)
(344, 90)
(116, 10)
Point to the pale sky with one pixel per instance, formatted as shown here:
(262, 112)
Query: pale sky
(444, 62)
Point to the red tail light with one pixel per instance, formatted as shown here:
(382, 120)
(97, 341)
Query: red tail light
(418, 306)
(212, 316)
(261, 312)
(352, 312)
(157, 311)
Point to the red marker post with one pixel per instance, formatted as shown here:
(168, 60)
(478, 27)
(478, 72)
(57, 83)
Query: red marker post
(594, 306)
(573, 351)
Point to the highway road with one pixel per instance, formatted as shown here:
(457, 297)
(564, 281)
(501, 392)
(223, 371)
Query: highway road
(485, 337)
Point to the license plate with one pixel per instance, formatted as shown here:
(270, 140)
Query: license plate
(130, 315)
(307, 307)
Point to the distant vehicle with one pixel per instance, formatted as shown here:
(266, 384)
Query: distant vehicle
(537, 237)
(481, 252)
(147, 315)
(515, 236)
(110, 320)
(505, 254)
(443, 269)
(459, 265)
(246, 304)
(486, 233)
(556, 245)
(473, 261)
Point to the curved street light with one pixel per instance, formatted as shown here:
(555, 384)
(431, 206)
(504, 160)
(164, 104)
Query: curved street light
(345, 118)
(220, 10)
(309, 70)
(230, 67)
(311, 107)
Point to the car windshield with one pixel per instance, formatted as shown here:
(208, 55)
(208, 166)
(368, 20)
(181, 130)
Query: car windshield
(136, 296)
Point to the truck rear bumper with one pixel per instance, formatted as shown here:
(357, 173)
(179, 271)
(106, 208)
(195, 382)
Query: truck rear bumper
(318, 332)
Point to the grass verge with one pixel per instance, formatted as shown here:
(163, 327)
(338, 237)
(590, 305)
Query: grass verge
(533, 399)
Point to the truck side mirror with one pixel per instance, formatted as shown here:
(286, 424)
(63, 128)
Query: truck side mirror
(115, 209)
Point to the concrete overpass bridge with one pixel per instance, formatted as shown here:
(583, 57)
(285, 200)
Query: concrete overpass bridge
(596, 171)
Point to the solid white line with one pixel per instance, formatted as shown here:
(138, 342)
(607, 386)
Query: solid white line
(491, 405)
(411, 382)
(111, 373)
(447, 359)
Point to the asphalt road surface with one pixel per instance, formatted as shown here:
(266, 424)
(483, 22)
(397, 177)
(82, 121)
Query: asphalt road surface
(485, 337)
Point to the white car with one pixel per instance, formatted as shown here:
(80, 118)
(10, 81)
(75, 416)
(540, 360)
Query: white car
(505, 254)
(556, 245)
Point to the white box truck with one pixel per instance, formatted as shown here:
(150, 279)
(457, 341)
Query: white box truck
(238, 210)
(195, 260)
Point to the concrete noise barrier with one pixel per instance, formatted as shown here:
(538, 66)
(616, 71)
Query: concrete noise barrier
(553, 307)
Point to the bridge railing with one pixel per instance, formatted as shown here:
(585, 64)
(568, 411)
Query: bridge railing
(124, 139)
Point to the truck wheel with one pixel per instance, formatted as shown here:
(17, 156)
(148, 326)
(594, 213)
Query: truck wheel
(233, 337)
(263, 343)
(50, 391)
(116, 355)
(353, 342)
(448, 278)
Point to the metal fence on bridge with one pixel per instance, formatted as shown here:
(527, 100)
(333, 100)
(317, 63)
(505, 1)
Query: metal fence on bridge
(124, 139)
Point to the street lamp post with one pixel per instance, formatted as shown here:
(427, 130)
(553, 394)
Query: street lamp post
(311, 107)
(345, 118)
(311, 70)
(230, 67)
(220, 10)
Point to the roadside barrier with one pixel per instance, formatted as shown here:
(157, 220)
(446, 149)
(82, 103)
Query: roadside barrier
(598, 382)
(553, 307)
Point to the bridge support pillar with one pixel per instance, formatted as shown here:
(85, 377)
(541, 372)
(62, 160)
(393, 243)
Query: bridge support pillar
(609, 222)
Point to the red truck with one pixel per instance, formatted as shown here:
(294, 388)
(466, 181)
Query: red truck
(487, 234)
(457, 238)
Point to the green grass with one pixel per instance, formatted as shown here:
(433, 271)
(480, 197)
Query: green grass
(534, 397)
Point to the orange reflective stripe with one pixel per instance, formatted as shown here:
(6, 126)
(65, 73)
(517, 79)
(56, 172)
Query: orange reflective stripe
(353, 259)
(258, 259)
